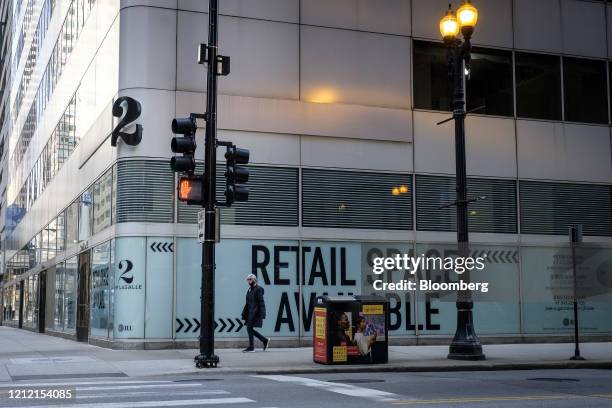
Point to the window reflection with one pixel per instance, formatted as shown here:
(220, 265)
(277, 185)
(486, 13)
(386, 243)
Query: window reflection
(538, 86)
(489, 85)
(58, 317)
(432, 86)
(72, 224)
(62, 142)
(70, 294)
(102, 202)
(585, 77)
(100, 290)
(86, 215)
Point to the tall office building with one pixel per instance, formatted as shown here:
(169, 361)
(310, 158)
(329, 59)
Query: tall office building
(339, 103)
(5, 80)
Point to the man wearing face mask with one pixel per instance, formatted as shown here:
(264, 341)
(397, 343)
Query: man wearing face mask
(254, 312)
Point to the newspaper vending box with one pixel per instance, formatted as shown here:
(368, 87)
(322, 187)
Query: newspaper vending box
(351, 330)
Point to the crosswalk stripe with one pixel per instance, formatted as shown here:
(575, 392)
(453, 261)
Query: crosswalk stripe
(339, 388)
(151, 404)
(131, 387)
(152, 393)
(72, 384)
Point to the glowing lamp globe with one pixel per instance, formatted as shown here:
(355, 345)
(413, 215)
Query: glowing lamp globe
(449, 26)
(467, 15)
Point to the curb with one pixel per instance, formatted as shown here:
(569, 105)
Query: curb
(380, 368)
(437, 368)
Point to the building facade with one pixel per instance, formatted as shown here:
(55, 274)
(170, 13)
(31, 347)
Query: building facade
(6, 13)
(339, 103)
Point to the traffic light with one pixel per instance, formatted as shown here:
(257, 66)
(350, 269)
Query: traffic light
(184, 144)
(236, 176)
(191, 189)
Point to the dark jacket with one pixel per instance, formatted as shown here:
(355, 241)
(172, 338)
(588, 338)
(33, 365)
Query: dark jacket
(254, 310)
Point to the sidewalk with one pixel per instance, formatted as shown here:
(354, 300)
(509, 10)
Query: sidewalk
(30, 356)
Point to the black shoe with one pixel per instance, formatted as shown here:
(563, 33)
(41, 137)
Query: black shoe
(267, 344)
(248, 350)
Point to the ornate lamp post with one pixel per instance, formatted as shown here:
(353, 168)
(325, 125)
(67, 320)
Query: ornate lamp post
(465, 344)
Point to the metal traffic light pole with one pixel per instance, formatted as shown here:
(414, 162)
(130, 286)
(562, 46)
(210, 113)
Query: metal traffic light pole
(207, 357)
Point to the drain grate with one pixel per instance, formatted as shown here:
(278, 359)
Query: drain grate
(356, 381)
(554, 379)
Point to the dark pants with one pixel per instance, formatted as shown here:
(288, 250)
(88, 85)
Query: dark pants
(252, 332)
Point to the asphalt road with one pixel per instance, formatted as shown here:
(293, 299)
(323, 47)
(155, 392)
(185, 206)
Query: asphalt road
(525, 389)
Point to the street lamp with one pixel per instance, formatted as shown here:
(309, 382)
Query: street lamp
(465, 344)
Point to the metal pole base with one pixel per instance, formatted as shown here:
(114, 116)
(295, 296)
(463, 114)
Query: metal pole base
(577, 358)
(203, 361)
(465, 345)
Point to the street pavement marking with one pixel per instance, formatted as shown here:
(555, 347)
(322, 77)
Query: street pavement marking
(53, 359)
(71, 383)
(159, 391)
(339, 388)
(153, 393)
(128, 387)
(492, 399)
(144, 404)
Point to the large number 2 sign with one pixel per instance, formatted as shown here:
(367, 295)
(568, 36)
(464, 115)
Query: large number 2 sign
(128, 109)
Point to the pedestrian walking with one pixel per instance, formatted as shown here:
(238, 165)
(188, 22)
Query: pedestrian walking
(254, 312)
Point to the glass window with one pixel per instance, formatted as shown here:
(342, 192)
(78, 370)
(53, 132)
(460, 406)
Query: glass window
(267, 205)
(549, 208)
(433, 88)
(489, 85)
(70, 294)
(52, 231)
(111, 290)
(61, 231)
(86, 214)
(30, 253)
(610, 90)
(496, 214)
(16, 303)
(44, 250)
(38, 247)
(145, 178)
(58, 316)
(339, 199)
(102, 202)
(27, 302)
(114, 196)
(100, 290)
(488, 88)
(585, 83)
(538, 86)
(34, 299)
(72, 223)
(30, 315)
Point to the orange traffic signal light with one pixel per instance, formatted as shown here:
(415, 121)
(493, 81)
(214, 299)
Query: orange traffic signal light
(191, 190)
(185, 188)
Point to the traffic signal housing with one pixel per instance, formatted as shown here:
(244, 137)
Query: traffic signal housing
(236, 176)
(185, 144)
